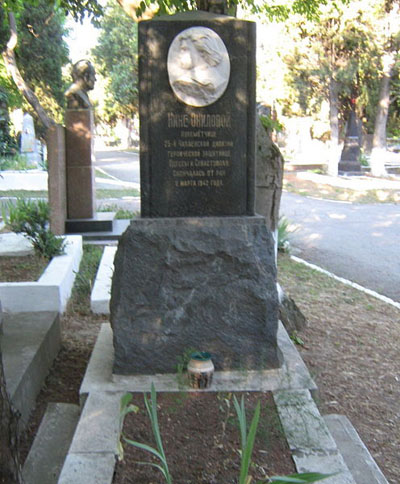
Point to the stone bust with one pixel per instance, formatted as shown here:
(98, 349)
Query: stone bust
(84, 77)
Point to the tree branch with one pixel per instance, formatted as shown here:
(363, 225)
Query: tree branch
(13, 71)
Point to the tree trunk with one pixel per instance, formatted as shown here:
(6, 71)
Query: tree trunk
(334, 124)
(13, 71)
(379, 140)
(10, 469)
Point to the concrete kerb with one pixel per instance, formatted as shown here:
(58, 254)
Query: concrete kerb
(356, 455)
(30, 342)
(100, 297)
(52, 291)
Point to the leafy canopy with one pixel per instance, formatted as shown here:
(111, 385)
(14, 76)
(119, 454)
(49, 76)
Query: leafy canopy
(270, 8)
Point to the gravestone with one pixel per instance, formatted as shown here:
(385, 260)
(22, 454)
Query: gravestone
(197, 88)
(349, 163)
(197, 270)
(28, 141)
(80, 180)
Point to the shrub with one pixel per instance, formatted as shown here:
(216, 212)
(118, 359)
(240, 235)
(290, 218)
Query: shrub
(283, 235)
(31, 218)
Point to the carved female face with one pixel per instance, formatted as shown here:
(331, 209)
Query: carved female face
(198, 66)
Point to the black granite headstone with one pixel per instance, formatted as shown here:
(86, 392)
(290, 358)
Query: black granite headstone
(197, 160)
(349, 163)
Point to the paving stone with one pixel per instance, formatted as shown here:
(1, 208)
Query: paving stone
(326, 464)
(304, 427)
(103, 408)
(88, 469)
(50, 447)
(309, 439)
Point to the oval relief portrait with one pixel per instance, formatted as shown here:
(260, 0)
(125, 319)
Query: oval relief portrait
(198, 66)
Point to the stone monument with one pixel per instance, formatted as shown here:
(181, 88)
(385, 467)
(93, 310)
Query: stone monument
(81, 202)
(197, 270)
(349, 163)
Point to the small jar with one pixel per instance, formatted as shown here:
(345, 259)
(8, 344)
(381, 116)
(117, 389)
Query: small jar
(200, 370)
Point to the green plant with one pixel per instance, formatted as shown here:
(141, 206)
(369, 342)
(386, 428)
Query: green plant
(31, 218)
(271, 124)
(151, 407)
(296, 338)
(246, 440)
(304, 478)
(181, 365)
(283, 234)
(120, 213)
(15, 162)
(363, 159)
(80, 300)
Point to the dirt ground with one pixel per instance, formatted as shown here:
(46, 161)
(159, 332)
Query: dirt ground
(25, 268)
(294, 182)
(351, 347)
(201, 439)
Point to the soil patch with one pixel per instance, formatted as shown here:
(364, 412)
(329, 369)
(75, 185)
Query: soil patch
(294, 184)
(351, 347)
(22, 268)
(201, 439)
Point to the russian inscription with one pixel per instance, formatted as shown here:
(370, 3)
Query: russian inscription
(198, 163)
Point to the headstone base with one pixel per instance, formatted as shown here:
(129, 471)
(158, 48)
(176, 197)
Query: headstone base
(204, 284)
(349, 168)
(101, 222)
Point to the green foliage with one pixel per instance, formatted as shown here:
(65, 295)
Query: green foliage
(30, 218)
(304, 478)
(283, 234)
(296, 339)
(151, 407)
(8, 144)
(341, 47)
(77, 8)
(246, 440)
(16, 162)
(84, 280)
(120, 213)
(271, 124)
(116, 60)
(183, 360)
(41, 52)
(363, 159)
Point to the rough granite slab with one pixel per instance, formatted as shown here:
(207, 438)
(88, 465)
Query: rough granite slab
(205, 283)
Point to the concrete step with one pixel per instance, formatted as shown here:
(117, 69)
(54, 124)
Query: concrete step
(30, 342)
(356, 455)
(50, 447)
